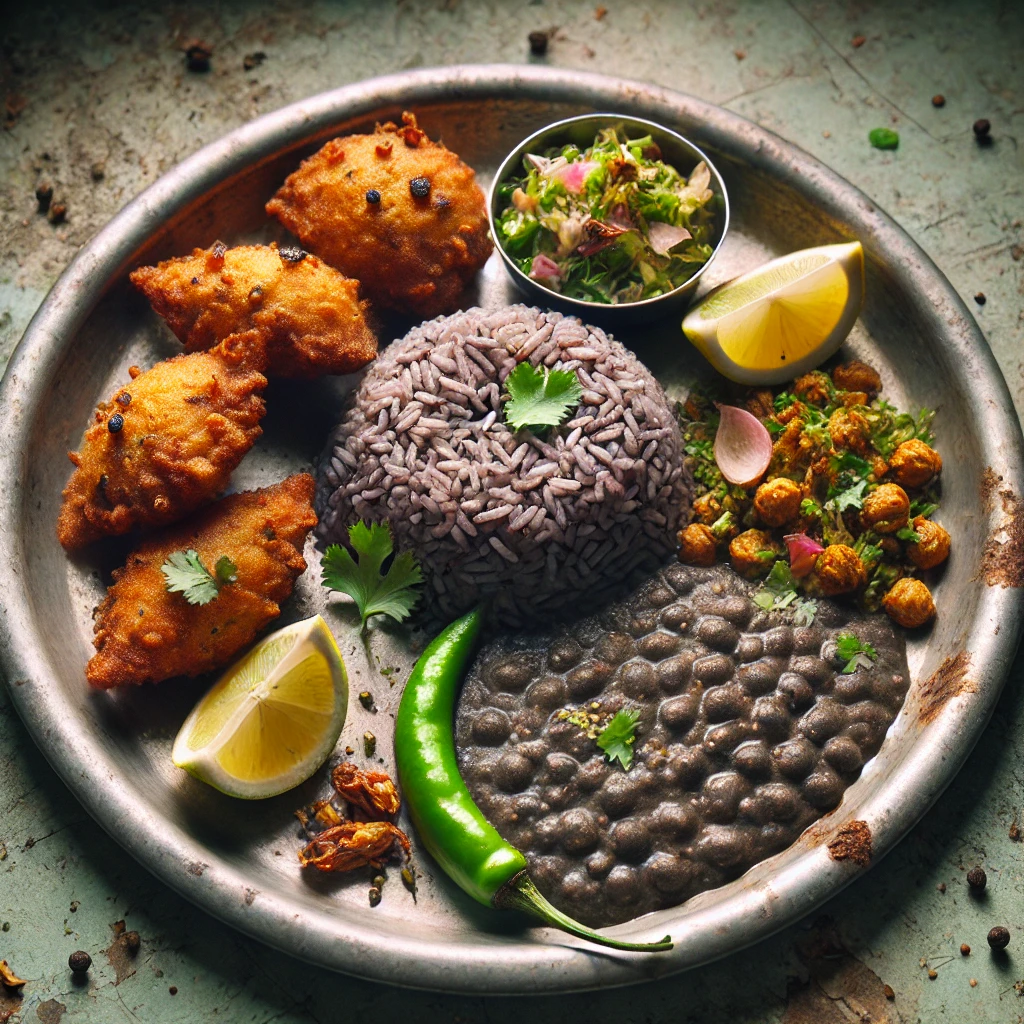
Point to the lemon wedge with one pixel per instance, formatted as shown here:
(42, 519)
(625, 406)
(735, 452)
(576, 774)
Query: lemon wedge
(272, 719)
(784, 318)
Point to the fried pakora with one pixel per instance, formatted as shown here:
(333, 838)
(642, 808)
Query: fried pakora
(166, 443)
(402, 214)
(309, 314)
(145, 633)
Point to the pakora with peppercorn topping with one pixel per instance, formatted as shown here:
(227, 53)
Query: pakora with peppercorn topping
(400, 213)
(166, 443)
(849, 482)
(308, 314)
(147, 631)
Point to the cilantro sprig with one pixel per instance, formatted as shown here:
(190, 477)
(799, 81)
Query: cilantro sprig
(779, 589)
(617, 737)
(855, 652)
(540, 397)
(185, 574)
(375, 593)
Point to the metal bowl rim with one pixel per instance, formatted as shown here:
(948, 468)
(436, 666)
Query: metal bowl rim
(544, 962)
(585, 305)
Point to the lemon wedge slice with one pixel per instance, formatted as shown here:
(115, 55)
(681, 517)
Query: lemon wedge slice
(784, 318)
(272, 719)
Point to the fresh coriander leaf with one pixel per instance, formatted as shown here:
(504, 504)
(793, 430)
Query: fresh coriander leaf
(884, 138)
(540, 397)
(855, 652)
(225, 570)
(804, 610)
(186, 574)
(809, 507)
(849, 462)
(783, 400)
(779, 588)
(722, 525)
(374, 593)
(909, 534)
(849, 497)
(616, 738)
(774, 426)
(766, 555)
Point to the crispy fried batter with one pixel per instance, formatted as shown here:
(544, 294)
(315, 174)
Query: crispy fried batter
(309, 314)
(354, 844)
(144, 633)
(354, 203)
(166, 443)
(372, 792)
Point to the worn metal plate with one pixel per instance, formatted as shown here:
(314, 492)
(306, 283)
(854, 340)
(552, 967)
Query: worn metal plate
(237, 860)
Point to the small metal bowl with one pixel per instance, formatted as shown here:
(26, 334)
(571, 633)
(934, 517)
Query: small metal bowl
(581, 131)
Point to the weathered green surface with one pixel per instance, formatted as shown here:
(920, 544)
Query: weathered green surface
(108, 86)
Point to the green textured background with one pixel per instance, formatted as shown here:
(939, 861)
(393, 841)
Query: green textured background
(109, 106)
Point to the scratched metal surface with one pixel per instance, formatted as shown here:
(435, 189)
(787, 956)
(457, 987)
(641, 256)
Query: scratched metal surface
(317, 999)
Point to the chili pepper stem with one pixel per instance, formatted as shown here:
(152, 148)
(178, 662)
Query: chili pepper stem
(519, 893)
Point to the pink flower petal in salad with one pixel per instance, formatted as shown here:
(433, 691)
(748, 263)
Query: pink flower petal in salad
(803, 553)
(544, 266)
(573, 175)
(743, 446)
(664, 236)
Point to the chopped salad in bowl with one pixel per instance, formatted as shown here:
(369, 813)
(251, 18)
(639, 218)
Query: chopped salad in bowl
(612, 222)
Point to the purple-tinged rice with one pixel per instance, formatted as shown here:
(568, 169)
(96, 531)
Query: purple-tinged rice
(537, 525)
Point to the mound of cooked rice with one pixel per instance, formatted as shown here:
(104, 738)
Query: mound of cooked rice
(535, 524)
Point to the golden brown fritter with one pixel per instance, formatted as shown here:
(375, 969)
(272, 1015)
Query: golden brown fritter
(166, 443)
(309, 314)
(398, 212)
(144, 633)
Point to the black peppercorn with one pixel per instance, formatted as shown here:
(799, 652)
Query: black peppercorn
(124, 398)
(420, 187)
(292, 253)
(982, 130)
(976, 879)
(374, 896)
(372, 196)
(538, 43)
(44, 193)
(79, 961)
(999, 937)
(980, 298)
(115, 423)
(938, 100)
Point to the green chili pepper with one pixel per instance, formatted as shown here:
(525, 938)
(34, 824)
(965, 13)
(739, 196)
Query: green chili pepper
(450, 824)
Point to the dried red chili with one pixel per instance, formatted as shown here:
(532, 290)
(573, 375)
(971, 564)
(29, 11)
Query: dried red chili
(354, 844)
(370, 791)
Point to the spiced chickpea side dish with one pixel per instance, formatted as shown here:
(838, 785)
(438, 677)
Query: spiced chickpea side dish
(844, 508)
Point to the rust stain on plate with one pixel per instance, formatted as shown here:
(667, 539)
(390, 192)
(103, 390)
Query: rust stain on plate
(1002, 561)
(949, 680)
(852, 842)
(119, 956)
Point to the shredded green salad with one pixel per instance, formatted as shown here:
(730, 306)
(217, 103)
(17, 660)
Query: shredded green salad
(613, 223)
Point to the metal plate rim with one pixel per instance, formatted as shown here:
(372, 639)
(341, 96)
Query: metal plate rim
(542, 961)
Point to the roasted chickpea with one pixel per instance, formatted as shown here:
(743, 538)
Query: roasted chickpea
(914, 463)
(697, 545)
(746, 550)
(885, 509)
(857, 377)
(777, 501)
(840, 570)
(855, 398)
(707, 508)
(761, 403)
(814, 387)
(933, 547)
(909, 603)
(850, 430)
